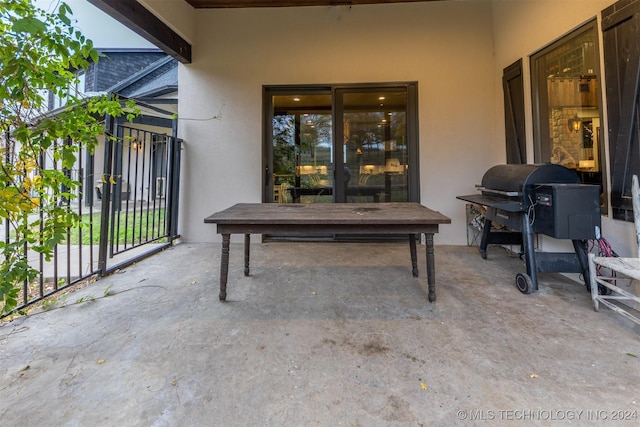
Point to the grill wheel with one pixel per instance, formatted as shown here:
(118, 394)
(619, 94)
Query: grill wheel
(524, 283)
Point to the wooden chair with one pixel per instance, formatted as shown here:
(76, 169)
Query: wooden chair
(625, 270)
(283, 193)
(364, 178)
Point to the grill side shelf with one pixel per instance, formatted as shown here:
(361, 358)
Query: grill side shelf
(504, 203)
(500, 192)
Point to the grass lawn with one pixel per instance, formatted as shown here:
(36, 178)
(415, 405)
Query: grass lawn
(130, 227)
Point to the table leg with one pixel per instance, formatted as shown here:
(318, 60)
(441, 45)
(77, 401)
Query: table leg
(484, 242)
(247, 245)
(431, 269)
(414, 255)
(224, 266)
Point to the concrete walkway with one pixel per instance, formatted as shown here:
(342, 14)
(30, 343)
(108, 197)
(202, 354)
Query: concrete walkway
(321, 334)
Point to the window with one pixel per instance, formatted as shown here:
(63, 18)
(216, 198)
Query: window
(566, 104)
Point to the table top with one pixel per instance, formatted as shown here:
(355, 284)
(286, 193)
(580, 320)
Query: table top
(329, 213)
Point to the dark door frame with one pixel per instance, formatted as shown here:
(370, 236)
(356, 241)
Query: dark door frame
(268, 91)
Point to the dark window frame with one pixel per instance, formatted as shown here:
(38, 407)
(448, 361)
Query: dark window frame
(542, 145)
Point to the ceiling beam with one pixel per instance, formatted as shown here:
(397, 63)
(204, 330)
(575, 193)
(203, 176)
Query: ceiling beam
(214, 4)
(137, 18)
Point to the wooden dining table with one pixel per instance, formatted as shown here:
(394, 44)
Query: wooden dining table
(313, 219)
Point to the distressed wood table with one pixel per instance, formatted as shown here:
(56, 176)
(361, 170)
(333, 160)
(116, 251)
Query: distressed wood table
(328, 218)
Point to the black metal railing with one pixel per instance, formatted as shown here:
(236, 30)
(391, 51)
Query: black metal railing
(127, 212)
(139, 211)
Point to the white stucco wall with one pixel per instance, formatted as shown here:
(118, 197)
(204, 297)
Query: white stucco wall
(447, 47)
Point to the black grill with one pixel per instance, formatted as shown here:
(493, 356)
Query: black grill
(539, 199)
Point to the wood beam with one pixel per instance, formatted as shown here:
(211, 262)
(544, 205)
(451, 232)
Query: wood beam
(214, 4)
(136, 17)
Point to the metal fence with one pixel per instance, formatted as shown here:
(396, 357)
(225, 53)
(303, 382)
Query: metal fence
(128, 211)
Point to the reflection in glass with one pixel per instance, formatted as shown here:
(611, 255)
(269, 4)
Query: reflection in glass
(375, 147)
(372, 160)
(302, 149)
(566, 94)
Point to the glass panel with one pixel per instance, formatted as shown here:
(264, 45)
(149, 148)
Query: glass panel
(568, 118)
(302, 149)
(375, 146)
(369, 161)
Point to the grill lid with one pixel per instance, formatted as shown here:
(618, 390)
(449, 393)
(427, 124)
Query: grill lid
(511, 179)
(504, 186)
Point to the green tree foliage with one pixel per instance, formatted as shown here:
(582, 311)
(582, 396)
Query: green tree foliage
(41, 53)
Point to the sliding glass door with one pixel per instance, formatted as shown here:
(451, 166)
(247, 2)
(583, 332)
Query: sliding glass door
(341, 144)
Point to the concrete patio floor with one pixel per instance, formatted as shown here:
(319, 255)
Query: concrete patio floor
(321, 334)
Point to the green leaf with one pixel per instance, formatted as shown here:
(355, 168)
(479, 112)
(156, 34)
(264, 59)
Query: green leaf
(30, 25)
(94, 55)
(63, 10)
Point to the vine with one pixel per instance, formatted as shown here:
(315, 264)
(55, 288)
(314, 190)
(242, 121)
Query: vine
(40, 54)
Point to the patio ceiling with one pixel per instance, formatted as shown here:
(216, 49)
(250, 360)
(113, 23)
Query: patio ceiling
(139, 19)
(221, 4)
